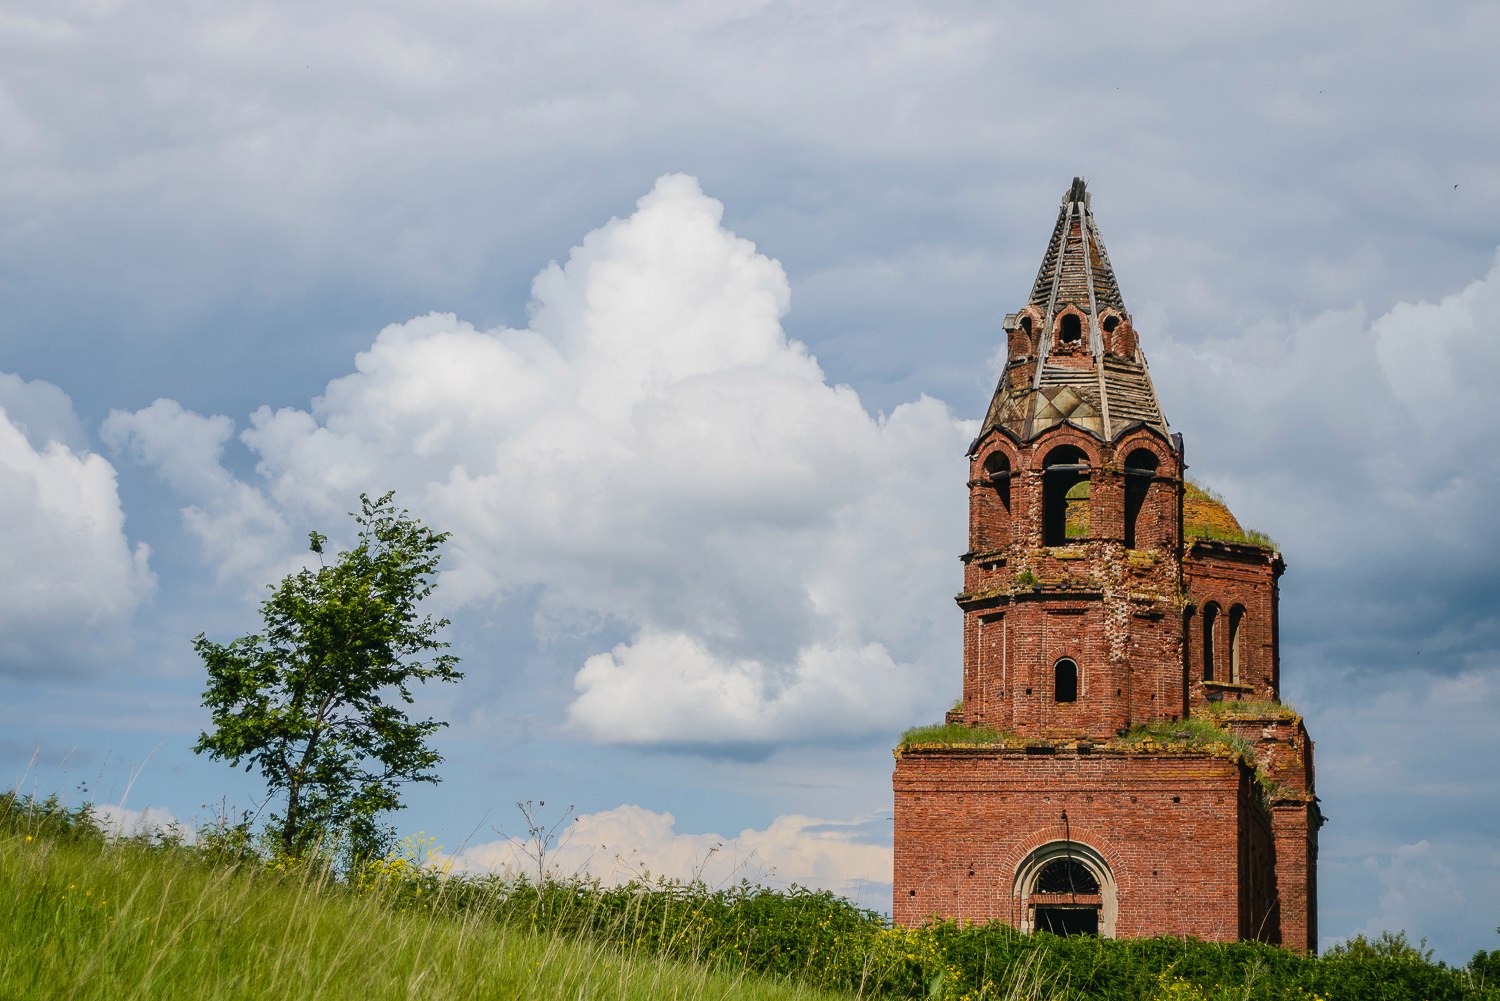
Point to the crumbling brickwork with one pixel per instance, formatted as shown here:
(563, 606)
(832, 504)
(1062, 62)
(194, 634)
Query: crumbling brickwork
(1120, 723)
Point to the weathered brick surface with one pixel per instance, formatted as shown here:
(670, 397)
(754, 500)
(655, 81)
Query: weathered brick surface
(1232, 578)
(1116, 611)
(1087, 562)
(1296, 828)
(1179, 832)
(1226, 859)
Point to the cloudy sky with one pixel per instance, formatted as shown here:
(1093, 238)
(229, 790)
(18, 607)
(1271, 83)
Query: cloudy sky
(679, 316)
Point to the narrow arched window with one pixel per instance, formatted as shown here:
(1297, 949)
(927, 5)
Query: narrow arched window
(1236, 622)
(1210, 622)
(1140, 467)
(1187, 656)
(1116, 337)
(1065, 495)
(997, 471)
(1065, 681)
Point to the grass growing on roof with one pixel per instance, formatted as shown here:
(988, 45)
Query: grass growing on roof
(1250, 709)
(1191, 734)
(1206, 516)
(954, 735)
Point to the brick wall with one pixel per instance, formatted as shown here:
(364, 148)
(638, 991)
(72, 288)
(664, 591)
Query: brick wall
(1231, 578)
(1115, 611)
(1191, 846)
(1182, 834)
(1296, 826)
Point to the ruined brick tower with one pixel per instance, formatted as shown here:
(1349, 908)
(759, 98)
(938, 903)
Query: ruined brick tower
(1120, 763)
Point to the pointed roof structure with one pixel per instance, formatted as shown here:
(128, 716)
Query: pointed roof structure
(1073, 353)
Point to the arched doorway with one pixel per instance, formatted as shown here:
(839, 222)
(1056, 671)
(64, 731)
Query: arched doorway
(1066, 887)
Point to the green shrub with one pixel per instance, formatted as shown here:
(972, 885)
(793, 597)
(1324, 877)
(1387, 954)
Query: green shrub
(48, 818)
(1485, 967)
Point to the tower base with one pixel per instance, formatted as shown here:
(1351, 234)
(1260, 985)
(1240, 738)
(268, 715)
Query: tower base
(1096, 840)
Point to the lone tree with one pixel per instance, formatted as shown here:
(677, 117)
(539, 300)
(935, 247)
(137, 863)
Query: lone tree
(314, 702)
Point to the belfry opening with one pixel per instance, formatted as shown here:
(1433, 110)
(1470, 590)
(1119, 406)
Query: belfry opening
(1106, 599)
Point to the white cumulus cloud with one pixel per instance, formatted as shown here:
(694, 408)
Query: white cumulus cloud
(631, 841)
(69, 579)
(669, 688)
(653, 451)
(118, 821)
(242, 535)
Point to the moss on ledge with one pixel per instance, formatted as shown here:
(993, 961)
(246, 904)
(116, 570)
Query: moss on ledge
(1195, 735)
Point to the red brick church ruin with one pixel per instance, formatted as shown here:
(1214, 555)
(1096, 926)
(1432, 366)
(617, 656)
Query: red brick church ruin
(1120, 763)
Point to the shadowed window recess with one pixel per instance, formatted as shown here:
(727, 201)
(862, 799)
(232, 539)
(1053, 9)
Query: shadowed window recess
(1065, 496)
(1065, 680)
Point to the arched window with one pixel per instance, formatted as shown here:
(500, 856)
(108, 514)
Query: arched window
(1065, 495)
(1067, 888)
(1118, 337)
(997, 471)
(1140, 467)
(1070, 329)
(1065, 680)
(1187, 658)
(1236, 620)
(1066, 875)
(1210, 621)
(1020, 343)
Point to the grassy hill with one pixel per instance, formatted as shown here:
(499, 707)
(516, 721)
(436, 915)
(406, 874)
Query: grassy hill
(84, 917)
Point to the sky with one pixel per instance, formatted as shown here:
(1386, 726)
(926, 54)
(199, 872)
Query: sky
(679, 316)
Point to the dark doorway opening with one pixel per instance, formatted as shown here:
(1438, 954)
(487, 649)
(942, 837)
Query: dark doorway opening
(1068, 920)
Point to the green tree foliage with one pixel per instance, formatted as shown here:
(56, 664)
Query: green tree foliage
(315, 701)
(1485, 966)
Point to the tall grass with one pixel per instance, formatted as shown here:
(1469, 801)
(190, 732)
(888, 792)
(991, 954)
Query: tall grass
(89, 920)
